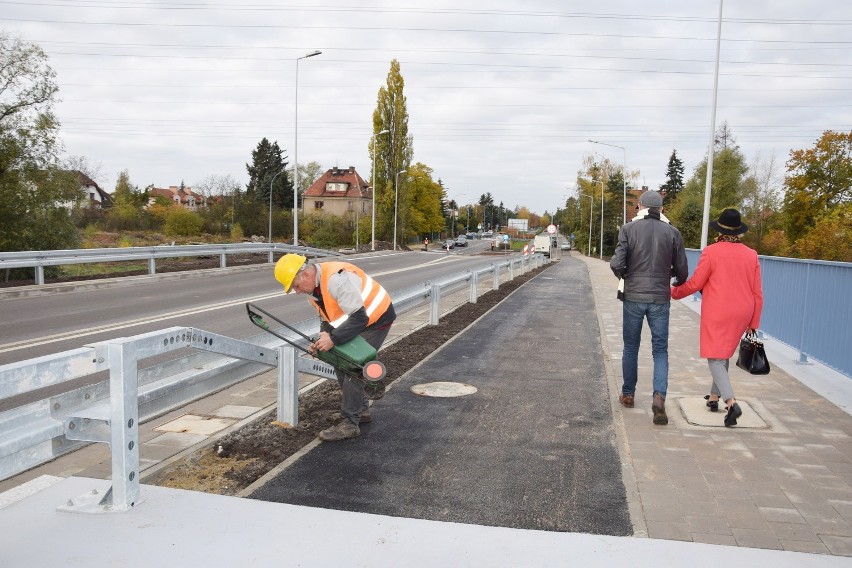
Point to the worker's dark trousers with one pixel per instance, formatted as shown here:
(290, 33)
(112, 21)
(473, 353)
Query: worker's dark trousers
(354, 400)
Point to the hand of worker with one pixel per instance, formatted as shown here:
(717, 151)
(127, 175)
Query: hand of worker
(323, 342)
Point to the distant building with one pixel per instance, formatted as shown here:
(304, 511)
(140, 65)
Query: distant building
(91, 196)
(339, 192)
(96, 198)
(179, 195)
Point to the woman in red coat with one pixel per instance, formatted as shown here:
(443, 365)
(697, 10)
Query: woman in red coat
(728, 277)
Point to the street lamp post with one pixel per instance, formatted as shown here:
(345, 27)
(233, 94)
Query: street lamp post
(591, 206)
(623, 177)
(396, 205)
(271, 185)
(456, 211)
(373, 246)
(296, 153)
(602, 204)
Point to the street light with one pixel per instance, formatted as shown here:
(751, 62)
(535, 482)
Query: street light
(373, 247)
(623, 177)
(271, 185)
(455, 212)
(602, 204)
(296, 152)
(396, 205)
(591, 205)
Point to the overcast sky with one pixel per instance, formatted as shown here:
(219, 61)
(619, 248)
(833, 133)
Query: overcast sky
(503, 96)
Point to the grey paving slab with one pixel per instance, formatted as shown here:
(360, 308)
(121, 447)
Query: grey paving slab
(772, 482)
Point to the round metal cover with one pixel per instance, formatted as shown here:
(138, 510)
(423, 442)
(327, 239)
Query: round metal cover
(443, 389)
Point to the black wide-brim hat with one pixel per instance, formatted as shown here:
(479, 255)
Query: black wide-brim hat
(729, 223)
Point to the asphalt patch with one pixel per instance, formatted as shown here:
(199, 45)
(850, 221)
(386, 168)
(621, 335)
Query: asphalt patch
(534, 448)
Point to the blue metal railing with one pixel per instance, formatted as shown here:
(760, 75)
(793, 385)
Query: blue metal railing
(806, 305)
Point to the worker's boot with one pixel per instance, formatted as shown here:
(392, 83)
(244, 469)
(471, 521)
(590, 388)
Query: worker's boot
(341, 431)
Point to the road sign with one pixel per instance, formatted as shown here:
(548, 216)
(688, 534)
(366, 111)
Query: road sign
(551, 229)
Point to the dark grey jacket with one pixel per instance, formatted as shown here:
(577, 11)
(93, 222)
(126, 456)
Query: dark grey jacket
(649, 253)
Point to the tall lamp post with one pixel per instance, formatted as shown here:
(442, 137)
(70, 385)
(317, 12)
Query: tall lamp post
(373, 246)
(296, 152)
(396, 205)
(623, 177)
(591, 206)
(271, 185)
(456, 212)
(602, 204)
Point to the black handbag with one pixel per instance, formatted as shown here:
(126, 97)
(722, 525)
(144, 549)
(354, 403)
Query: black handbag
(752, 356)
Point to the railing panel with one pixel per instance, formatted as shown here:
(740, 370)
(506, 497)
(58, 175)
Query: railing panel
(806, 305)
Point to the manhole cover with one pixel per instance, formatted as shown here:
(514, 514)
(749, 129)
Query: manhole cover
(443, 389)
(696, 413)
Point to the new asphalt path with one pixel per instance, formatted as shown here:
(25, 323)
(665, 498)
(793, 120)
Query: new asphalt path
(533, 447)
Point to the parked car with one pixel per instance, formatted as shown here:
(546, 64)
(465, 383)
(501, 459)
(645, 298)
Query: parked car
(449, 243)
(461, 241)
(487, 234)
(472, 236)
(566, 245)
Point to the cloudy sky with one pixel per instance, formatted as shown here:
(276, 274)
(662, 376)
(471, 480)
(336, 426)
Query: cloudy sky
(503, 96)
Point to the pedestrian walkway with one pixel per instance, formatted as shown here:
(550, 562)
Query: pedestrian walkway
(767, 493)
(784, 484)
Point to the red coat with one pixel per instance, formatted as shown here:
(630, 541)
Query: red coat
(728, 277)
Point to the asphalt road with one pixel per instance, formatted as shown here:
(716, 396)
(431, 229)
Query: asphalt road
(533, 448)
(45, 324)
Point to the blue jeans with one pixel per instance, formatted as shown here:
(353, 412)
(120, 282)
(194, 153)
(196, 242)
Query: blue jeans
(634, 314)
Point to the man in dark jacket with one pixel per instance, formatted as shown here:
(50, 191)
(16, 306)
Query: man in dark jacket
(650, 252)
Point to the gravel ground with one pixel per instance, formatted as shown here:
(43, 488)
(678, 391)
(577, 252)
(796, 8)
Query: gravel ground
(235, 461)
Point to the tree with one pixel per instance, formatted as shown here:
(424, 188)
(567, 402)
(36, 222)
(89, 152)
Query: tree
(674, 180)
(831, 237)
(818, 179)
(221, 193)
(761, 200)
(687, 213)
(33, 188)
(727, 190)
(423, 210)
(126, 213)
(267, 160)
(393, 151)
(308, 174)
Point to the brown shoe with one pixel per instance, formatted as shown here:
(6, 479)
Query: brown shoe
(626, 400)
(365, 417)
(342, 431)
(658, 407)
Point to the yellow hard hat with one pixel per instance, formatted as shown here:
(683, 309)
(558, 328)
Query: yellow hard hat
(286, 269)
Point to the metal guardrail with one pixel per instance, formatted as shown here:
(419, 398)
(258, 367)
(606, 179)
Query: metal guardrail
(806, 306)
(110, 411)
(40, 259)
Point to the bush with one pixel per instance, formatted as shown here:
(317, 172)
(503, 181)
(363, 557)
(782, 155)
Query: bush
(182, 222)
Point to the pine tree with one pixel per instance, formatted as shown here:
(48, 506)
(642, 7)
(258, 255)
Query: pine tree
(674, 180)
(266, 163)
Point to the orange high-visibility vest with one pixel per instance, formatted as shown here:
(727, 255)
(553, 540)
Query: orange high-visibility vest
(376, 299)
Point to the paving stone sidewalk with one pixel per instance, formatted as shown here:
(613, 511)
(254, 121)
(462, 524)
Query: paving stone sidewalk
(781, 480)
